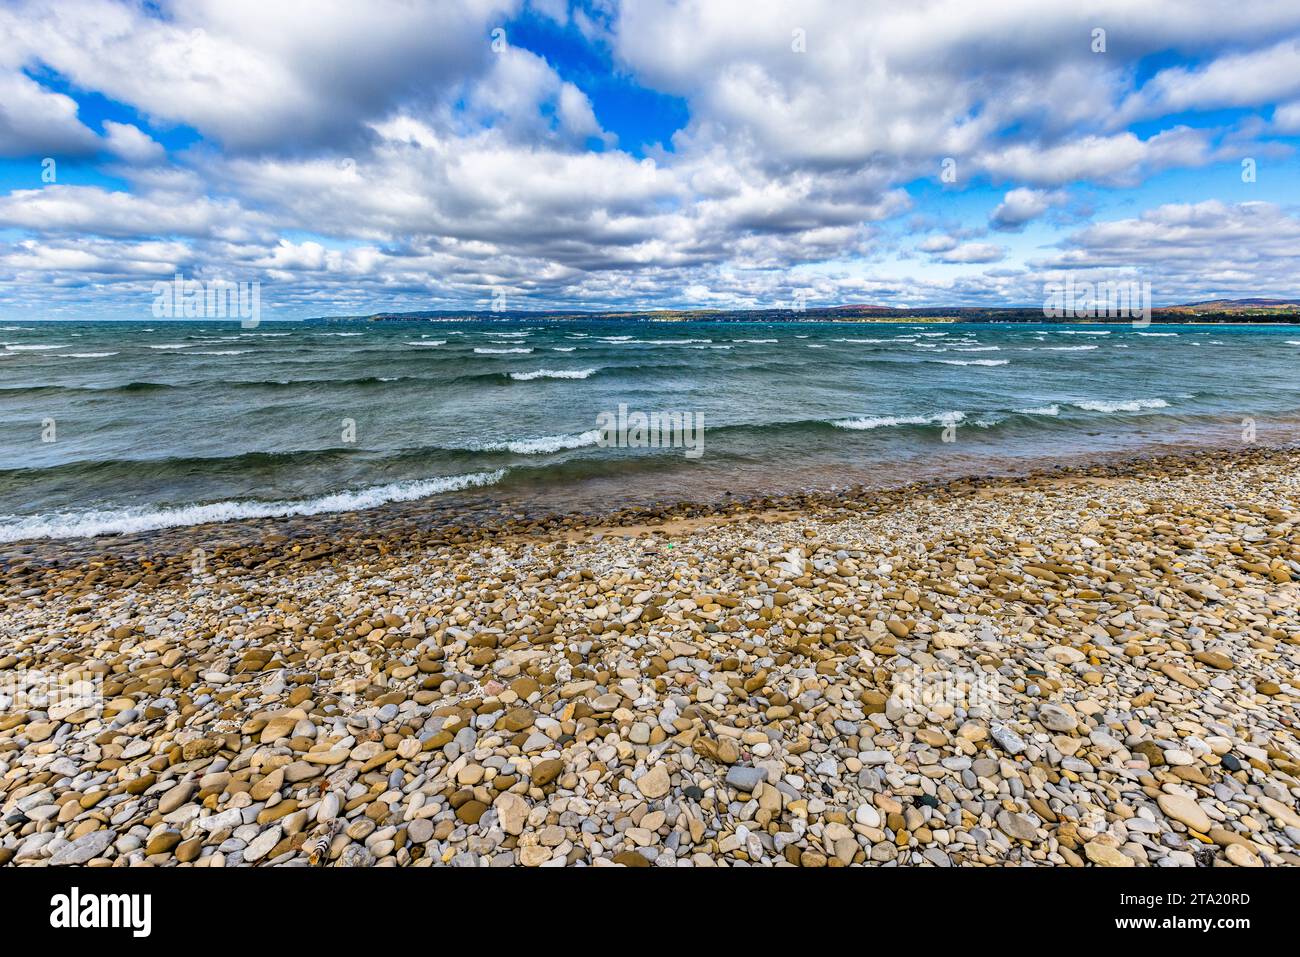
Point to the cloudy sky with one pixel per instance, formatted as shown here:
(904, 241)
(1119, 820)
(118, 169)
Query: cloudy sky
(588, 154)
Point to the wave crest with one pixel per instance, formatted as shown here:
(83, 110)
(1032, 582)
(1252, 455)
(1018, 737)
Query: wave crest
(144, 518)
(551, 374)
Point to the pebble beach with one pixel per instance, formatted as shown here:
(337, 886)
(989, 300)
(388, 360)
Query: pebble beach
(1094, 666)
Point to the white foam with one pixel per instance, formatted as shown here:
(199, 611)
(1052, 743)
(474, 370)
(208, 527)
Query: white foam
(973, 362)
(563, 348)
(983, 348)
(758, 341)
(1157, 333)
(145, 518)
(552, 374)
(1082, 332)
(1130, 405)
(546, 443)
(86, 355)
(31, 348)
(431, 342)
(220, 352)
(859, 340)
(503, 352)
(1052, 409)
(176, 345)
(891, 421)
(1068, 348)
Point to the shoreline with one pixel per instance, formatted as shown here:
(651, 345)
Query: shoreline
(167, 554)
(1091, 666)
(654, 317)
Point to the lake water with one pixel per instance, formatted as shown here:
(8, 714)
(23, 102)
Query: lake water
(160, 424)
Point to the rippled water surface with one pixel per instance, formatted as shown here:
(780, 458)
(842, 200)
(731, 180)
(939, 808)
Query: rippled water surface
(166, 424)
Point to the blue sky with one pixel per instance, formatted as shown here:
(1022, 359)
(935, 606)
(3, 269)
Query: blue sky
(642, 154)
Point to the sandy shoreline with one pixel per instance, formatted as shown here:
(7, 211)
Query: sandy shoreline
(1088, 666)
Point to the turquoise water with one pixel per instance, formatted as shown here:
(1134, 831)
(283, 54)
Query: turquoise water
(166, 423)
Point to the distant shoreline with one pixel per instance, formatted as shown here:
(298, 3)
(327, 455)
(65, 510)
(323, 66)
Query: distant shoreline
(652, 317)
(1101, 310)
(822, 316)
